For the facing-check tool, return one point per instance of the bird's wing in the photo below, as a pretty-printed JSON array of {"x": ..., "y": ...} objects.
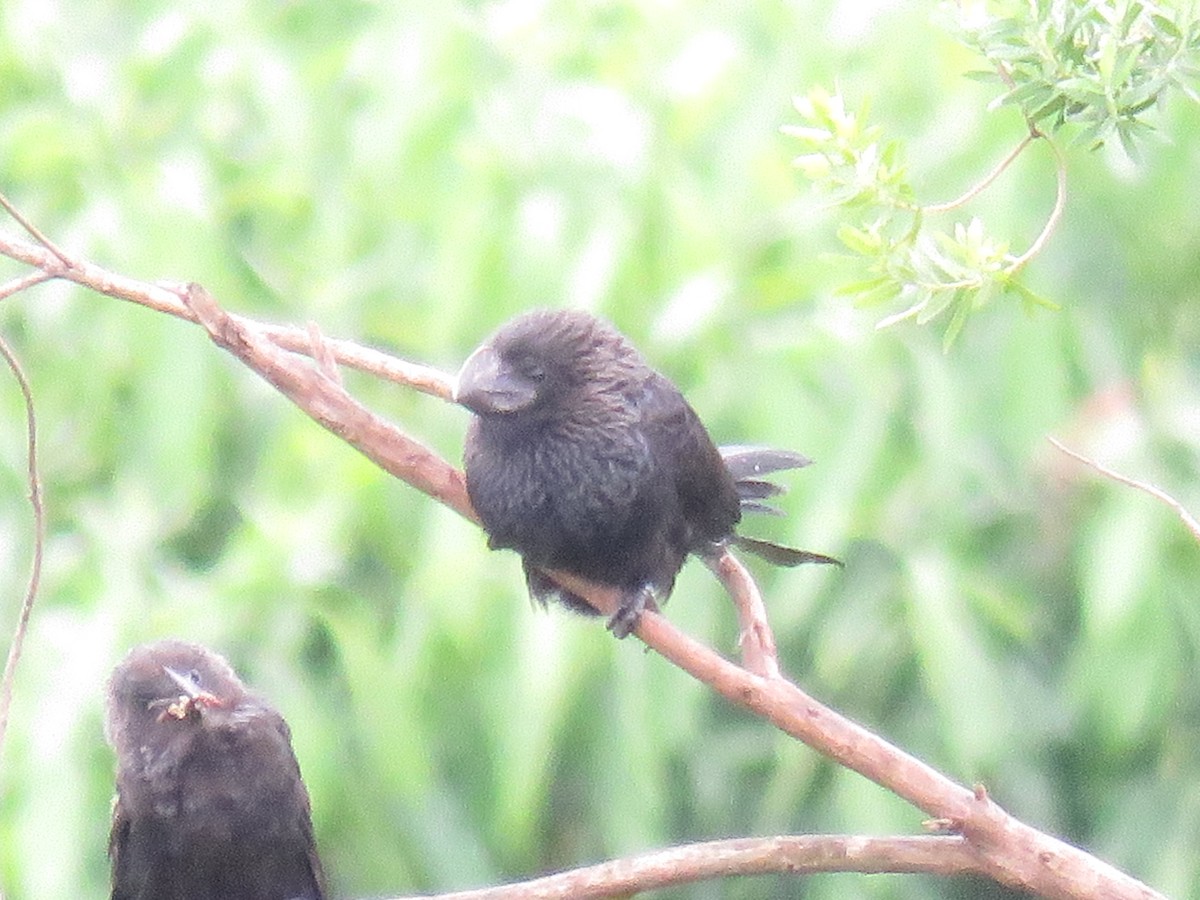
[
  {"x": 118, "y": 837},
  {"x": 313, "y": 873},
  {"x": 707, "y": 496}
]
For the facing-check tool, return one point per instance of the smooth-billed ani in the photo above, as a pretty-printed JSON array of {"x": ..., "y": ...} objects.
[
  {"x": 210, "y": 804},
  {"x": 582, "y": 458}
]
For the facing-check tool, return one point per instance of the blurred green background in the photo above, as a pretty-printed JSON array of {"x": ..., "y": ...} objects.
[{"x": 410, "y": 175}]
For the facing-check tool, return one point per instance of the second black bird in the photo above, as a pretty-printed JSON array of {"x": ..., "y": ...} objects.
[
  {"x": 584, "y": 459},
  {"x": 210, "y": 805}
]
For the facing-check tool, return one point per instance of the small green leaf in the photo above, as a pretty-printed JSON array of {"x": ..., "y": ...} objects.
[
  {"x": 811, "y": 135},
  {"x": 957, "y": 321},
  {"x": 887, "y": 290},
  {"x": 859, "y": 241},
  {"x": 854, "y": 288},
  {"x": 1125, "y": 130},
  {"x": 923, "y": 297},
  {"x": 1166, "y": 26},
  {"x": 939, "y": 301},
  {"x": 1029, "y": 297}
]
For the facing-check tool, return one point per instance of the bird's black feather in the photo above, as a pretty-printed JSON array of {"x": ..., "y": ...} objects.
[
  {"x": 781, "y": 555},
  {"x": 584, "y": 459},
  {"x": 757, "y": 489},
  {"x": 744, "y": 461}
]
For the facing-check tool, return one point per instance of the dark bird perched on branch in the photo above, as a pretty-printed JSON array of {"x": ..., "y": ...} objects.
[
  {"x": 582, "y": 458},
  {"x": 210, "y": 804}
]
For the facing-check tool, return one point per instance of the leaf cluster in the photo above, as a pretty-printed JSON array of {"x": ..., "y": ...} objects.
[
  {"x": 1099, "y": 66},
  {"x": 931, "y": 272}
]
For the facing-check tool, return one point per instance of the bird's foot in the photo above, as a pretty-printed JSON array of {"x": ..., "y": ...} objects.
[{"x": 633, "y": 604}]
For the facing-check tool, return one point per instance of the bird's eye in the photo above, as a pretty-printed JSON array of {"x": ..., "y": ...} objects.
[
  {"x": 193, "y": 676},
  {"x": 532, "y": 369}
]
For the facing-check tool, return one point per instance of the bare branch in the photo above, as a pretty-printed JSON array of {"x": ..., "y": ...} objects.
[
  {"x": 327, "y": 402},
  {"x": 1157, "y": 493},
  {"x": 789, "y": 855},
  {"x": 364, "y": 359},
  {"x": 22, "y": 283},
  {"x": 39, "y": 540},
  {"x": 165, "y": 297}
]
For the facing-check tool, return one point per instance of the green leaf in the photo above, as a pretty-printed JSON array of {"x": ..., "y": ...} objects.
[
  {"x": 939, "y": 300},
  {"x": 860, "y": 241},
  {"x": 1030, "y": 298},
  {"x": 954, "y": 328},
  {"x": 923, "y": 296}
]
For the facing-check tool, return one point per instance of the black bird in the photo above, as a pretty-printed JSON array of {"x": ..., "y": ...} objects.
[
  {"x": 582, "y": 458},
  {"x": 210, "y": 804}
]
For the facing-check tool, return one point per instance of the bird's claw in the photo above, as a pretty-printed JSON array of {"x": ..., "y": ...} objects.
[{"x": 629, "y": 613}]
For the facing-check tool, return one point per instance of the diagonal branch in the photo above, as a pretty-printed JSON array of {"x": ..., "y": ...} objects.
[
  {"x": 327, "y": 401},
  {"x": 1005, "y": 849},
  {"x": 1009, "y": 851}
]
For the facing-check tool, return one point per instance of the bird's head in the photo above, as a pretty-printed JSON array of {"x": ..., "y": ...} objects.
[
  {"x": 537, "y": 363},
  {"x": 160, "y": 685}
]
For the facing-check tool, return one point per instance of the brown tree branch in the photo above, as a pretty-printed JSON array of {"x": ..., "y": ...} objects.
[
  {"x": 1008, "y": 850},
  {"x": 165, "y": 297},
  {"x": 788, "y": 855},
  {"x": 1003, "y": 848},
  {"x": 327, "y": 401}
]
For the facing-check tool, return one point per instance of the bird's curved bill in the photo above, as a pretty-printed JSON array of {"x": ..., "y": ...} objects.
[
  {"x": 190, "y": 689},
  {"x": 487, "y": 385}
]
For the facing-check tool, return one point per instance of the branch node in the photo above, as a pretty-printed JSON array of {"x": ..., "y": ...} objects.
[
  {"x": 323, "y": 353},
  {"x": 208, "y": 312},
  {"x": 943, "y": 825}
]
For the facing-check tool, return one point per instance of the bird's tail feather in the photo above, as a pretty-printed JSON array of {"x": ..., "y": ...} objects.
[
  {"x": 746, "y": 462},
  {"x": 747, "y": 465},
  {"x": 780, "y": 555}
]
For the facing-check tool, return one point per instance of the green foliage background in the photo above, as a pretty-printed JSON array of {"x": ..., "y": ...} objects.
[{"x": 410, "y": 175}]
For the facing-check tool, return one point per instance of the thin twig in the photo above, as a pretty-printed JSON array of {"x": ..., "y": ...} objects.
[
  {"x": 982, "y": 185},
  {"x": 22, "y": 283},
  {"x": 1157, "y": 493},
  {"x": 35, "y": 232},
  {"x": 1056, "y": 214},
  {"x": 39, "y": 540},
  {"x": 1016, "y": 263},
  {"x": 329, "y": 404},
  {"x": 755, "y": 637},
  {"x": 164, "y": 297}
]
